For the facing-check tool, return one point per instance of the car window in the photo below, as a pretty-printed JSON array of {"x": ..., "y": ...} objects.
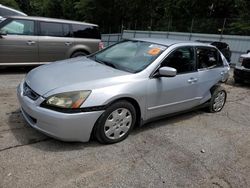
[
  {"x": 54, "y": 29},
  {"x": 182, "y": 59},
  {"x": 208, "y": 58},
  {"x": 19, "y": 27},
  {"x": 85, "y": 31}
]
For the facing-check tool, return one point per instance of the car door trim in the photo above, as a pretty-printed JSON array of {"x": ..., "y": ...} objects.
[{"x": 174, "y": 103}]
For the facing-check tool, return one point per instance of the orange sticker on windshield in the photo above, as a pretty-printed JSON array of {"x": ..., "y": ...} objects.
[{"x": 154, "y": 51}]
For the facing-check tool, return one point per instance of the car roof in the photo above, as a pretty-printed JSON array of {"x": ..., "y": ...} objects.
[
  {"x": 35, "y": 18},
  {"x": 169, "y": 42},
  {"x": 14, "y": 10},
  {"x": 210, "y": 41}
]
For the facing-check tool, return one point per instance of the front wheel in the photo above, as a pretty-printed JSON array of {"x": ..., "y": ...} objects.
[
  {"x": 218, "y": 100},
  {"x": 115, "y": 123}
]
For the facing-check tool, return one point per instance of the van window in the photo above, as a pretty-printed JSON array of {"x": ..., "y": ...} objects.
[
  {"x": 54, "y": 29},
  {"x": 85, "y": 31},
  {"x": 208, "y": 58},
  {"x": 19, "y": 27}
]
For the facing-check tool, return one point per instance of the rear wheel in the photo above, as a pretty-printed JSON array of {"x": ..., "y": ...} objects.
[
  {"x": 218, "y": 99},
  {"x": 115, "y": 123},
  {"x": 78, "y": 54}
]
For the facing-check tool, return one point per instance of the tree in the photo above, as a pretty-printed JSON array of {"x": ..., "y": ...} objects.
[
  {"x": 10, "y": 3},
  {"x": 179, "y": 15}
]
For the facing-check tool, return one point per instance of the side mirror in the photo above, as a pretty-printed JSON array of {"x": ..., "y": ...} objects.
[
  {"x": 167, "y": 72},
  {"x": 248, "y": 51}
]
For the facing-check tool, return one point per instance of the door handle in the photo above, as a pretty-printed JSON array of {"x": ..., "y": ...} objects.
[
  {"x": 192, "y": 80},
  {"x": 68, "y": 43},
  {"x": 30, "y": 43}
]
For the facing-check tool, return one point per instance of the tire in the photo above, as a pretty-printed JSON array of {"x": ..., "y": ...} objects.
[
  {"x": 115, "y": 123},
  {"x": 78, "y": 54},
  {"x": 218, "y": 100}
]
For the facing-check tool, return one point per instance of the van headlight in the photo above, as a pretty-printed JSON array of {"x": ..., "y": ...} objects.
[{"x": 69, "y": 100}]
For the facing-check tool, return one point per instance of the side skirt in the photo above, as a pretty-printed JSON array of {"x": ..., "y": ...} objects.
[{"x": 143, "y": 122}]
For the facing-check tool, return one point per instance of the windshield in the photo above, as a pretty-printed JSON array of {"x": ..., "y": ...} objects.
[{"x": 130, "y": 56}]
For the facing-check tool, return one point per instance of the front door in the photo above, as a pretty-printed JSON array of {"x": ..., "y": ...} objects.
[
  {"x": 19, "y": 44},
  {"x": 166, "y": 95}
]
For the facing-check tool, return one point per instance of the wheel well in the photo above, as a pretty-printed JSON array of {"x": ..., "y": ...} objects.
[
  {"x": 135, "y": 104},
  {"x": 137, "y": 109},
  {"x": 80, "y": 50},
  {"x": 214, "y": 88}
]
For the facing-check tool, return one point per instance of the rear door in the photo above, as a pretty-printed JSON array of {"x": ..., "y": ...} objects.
[
  {"x": 211, "y": 70},
  {"x": 55, "y": 41},
  {"x": 20, "y": 44}
]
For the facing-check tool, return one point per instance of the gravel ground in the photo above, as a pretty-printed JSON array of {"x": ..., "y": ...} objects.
[{"x": 195, "y": 149}]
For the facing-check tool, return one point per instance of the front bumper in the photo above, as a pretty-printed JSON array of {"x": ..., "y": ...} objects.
[
  {"x": 242, "y": 74},
  {"x": 62, "y": 126}
]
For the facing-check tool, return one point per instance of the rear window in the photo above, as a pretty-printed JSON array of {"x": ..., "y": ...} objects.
[
  {"x": 86, "y": 31},
  {"x": 54, "y": 29},
  {"x": 208, "y": 58}
]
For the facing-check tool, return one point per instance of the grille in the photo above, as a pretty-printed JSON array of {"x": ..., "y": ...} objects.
[
  {"x": 27, "y": 91},
  {"x": 246, "y": 63}
]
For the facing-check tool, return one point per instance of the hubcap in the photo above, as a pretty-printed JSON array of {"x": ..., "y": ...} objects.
[
  {"x": 219, "y": 101},
  {"x": 118, "y": 123}
]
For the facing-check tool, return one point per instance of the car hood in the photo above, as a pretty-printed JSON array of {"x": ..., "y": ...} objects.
[
  {"x": 78, "y": 71},
  {"x": 245, "y": 55}
]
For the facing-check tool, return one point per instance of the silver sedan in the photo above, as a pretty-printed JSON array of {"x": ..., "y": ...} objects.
[{"x": 128, "y": 84}]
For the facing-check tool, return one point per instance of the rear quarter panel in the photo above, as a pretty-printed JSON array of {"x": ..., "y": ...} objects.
[{"x": 81, "y": 44}]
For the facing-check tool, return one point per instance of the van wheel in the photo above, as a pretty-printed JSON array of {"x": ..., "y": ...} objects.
[
  {"x": 79, "y": 53},
  {"x": 115, "y": 123},
  {"x": 218, "y": 100}
]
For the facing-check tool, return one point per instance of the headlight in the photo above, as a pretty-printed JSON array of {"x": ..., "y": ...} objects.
[{"x": 69, "y": 100}]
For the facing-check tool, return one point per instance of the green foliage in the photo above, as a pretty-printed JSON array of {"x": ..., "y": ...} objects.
[
  {"x": 10, "y": 3},
  {"x": 114, "y": 15}
]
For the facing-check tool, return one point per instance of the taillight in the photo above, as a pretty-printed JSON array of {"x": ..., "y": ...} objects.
[{"x": 101, "y": 45}]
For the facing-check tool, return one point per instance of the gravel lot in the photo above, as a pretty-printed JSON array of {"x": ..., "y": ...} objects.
[{"x": 195, "y": 149}]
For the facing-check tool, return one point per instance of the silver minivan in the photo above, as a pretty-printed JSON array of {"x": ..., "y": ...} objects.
[{"x": 38, "y": 40}]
